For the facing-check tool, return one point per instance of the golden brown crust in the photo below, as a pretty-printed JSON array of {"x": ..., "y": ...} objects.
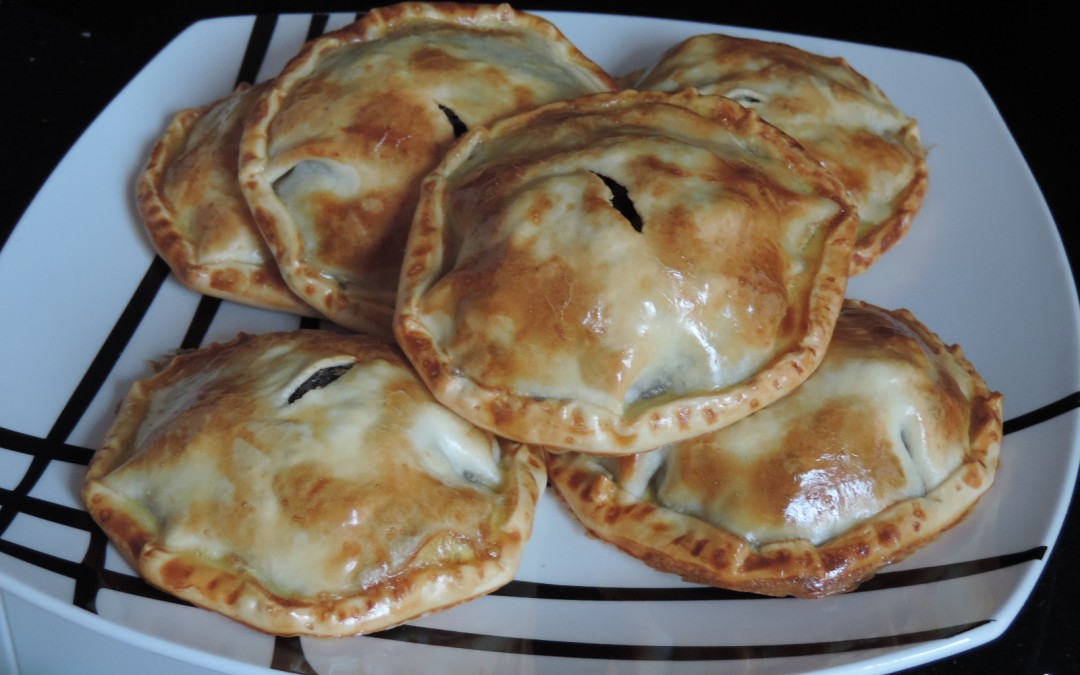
[
  {"x": 341, "y": 508},
  {"x": 532, "y": 307},
  {"x": 191, "y": 205},
  {"x": 333, "y": 155},
  {"x": 841, "y": 117},
  {"x": 722, "y": 528}
]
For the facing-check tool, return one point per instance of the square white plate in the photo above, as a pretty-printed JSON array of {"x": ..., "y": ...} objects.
[{"x": 983, "y": 266}]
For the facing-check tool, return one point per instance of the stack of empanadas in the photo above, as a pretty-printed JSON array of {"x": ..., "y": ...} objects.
[
  {"x": 644, "y": 289},
  {"x": 323, "y": 163}
]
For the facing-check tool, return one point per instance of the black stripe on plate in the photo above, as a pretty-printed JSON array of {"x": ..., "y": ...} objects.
[
  {"x": 52, "y": 512},
  {"x": 66, "y": 568},
  {"x": 85, "y": 593},
  {"x": 200, "y": 322},
  {"x": 1043, "y": 414},
  {"x": 586, "y": 650},
  {"x": 930, "y": 575},
  {"x": 17, "y": 441},
  {"x": 317, "y": 26},
  {"x": 542, "y": 591},
  {"x": 884, "y": 580},
  {"x": 289, "y": 656},
  {"x": 262, "y": 31}
]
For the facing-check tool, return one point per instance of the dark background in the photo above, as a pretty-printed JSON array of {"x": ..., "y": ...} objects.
[{"x": 61, "y": 63}]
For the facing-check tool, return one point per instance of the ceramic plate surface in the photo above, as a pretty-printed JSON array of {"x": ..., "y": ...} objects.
[{"x": 86, "y": 306}]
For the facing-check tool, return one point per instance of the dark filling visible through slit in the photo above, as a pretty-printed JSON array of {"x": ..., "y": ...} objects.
[
  {"x": 319, "y": 379},
  {"x": 746, "y": 99},
  {"x": 620, "y": 201},
  {"x": 455, "y": 121},
  {"x": 656, "y": 390}
]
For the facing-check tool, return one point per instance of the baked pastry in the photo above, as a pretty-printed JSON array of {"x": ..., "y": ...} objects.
[
  {"x": 890, "y": 442},
  {"x": 842, "y": 118},
  {"x": 198, "y": 220},
  {"x": 306, "y": 483},
  {"x": 622, "y": 271},
  {"x": 334, "y": 154}
]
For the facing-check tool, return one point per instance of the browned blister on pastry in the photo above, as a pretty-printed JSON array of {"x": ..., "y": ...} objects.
[
  {"x": 191, "y": 205},
  {"x": 334, "y": 153},
  {"x": 889, "y": 443},
  {"x": 843, "y": 119},
  {"x": 306, "y": 483},
  {"x": 622, "y": 271}
]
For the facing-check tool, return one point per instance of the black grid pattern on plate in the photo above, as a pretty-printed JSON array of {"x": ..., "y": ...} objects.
[{"x": 90, "y": 574}]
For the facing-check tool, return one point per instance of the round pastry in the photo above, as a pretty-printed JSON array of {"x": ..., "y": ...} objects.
[
  {"x": 306, "y": 483},
  {"x": 843, "y": 119},
  {"x": 889, "y": 443},
  {"x": 333, "y": 155},
  {"x": 622, "y": 271},
  {"x": 191, "y": 205}
]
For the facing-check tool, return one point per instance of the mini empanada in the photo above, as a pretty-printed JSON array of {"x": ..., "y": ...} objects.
[
  {"x": 890, "y": 442},
  {"x": 191, "y": 205},
  {"x": 622, "y": 271},
  {"x": 334, "y": 154},
  {"x": 306, "y": 483},
  {"x": 842, "y": 118}
]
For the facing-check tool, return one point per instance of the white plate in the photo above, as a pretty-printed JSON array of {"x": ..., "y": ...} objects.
[{"x": 983, "y": 266}]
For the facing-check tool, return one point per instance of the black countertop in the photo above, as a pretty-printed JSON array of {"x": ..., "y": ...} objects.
[{"x": 61, "y": 63}]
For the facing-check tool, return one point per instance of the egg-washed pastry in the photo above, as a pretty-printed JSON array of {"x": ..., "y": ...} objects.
[
  {"x": 334, "y": 155},
  {"x": 622, "y": 271},
  {"x": 890, "y": 442},
  {"x": 842, "y": 118},
  {"x": 197, "y": 218},
  {"x": 306, "y": 483}
]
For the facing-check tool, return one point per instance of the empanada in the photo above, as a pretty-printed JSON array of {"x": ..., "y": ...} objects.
[
  {"x": 891, "y": 441},
  {"x": 334, "y": 154},
  {"x": 621, "y": 271},
  {"x": 842, "y": 118},
  {"x": 191, "y": 205},
  {"x": 306, "y": 483}
]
